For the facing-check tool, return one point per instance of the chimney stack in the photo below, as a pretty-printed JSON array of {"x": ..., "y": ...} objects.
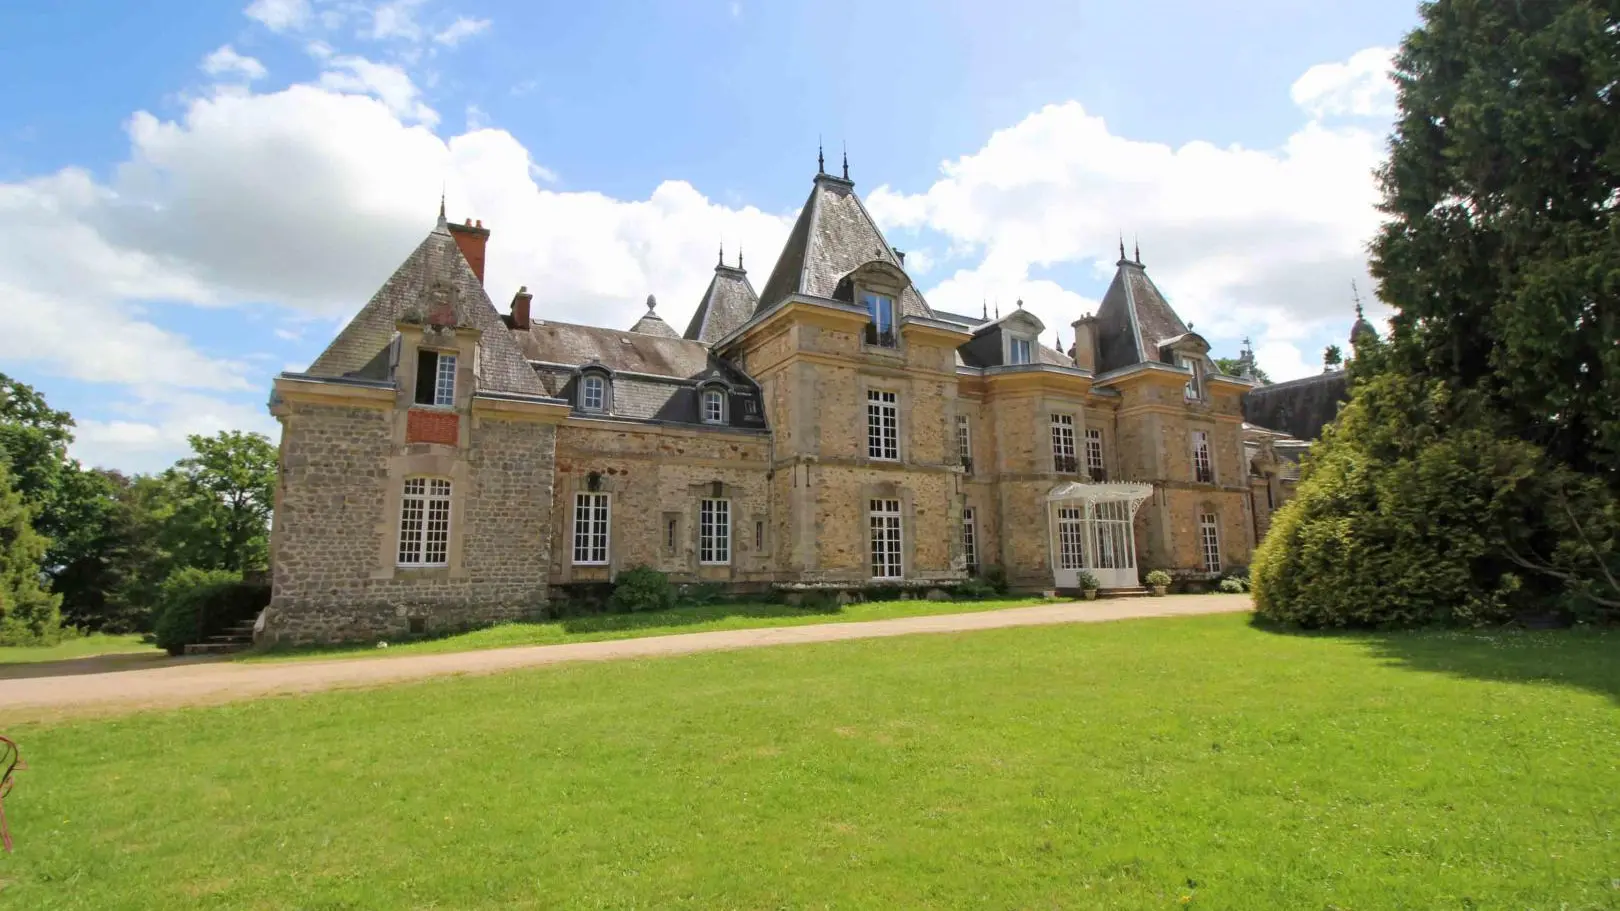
[
  {"x": 472, "y": 239},
  {"x": 1085, "y": 342},
  {"x": 520, "y": 307}
]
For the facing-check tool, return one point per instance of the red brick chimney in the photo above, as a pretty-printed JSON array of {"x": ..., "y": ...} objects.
[
  {"x": 472, "y": 238},
  {"x": 520, "y": 307}
]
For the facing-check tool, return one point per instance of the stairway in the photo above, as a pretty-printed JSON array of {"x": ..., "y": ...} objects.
[{"x": 238, "y": 638}]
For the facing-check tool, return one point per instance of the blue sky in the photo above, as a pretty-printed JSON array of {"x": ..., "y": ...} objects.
[{"x": 212, "y": 189}]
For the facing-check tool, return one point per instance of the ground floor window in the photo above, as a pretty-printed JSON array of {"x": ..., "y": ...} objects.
[
  {"x": 970, "y": 542},
  {"x": 424, "y": 522},
  {"x": 714, "y": 531},
  {"x": 1071, "y": 538},
  {"x": 591, "y": 517},
  {"x": 1209, "y": 536},
  {"x": 883, "y": 518}
]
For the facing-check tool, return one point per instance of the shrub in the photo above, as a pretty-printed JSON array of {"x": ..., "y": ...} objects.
[
  {"x": 642, "y": 589},
  {"x": 698, "y": 594},
  {"x": 1233, "y": 586},
  {"x": 194, "y": 604},
  {"x": 975, "y": 589},
  {"x": 1087, "y": 581},
  {"x": 996, "y": 578},
  {"x": 1157, "y": 577}
]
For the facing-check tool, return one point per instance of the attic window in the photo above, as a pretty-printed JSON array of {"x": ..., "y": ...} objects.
[
  {"x": 435, "y": 378},
  {"x": 1020, "y": 351},
  {"x": 880, "y": 307},
  {"x": 593, "y": 393},
  {"x": 1195, "y": 386},
  {"x": 714, "y": 406}
]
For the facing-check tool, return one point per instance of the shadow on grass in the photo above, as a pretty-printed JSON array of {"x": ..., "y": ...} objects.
[
  {"x": 99, "y": 664},
  {"x": 674, "y": 619},
  {"x": 1584, "y": 657}
]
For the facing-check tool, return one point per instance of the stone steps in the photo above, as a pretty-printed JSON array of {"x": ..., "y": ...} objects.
[{"x": 238, "y": 638}]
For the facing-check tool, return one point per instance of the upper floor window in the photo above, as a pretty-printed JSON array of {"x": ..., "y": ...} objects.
[
  {"x": 882, "y": 425},
  {"x": 1094, "y": 456},
  {"x": 1203, "y": 463},
  {"x": 714, "y": 406},
  {"x": 1195, "y": 386},
  {"x": 435, "y": 378},
  {"x": 591, "y": 519},
  {"x": 593, "y": 392},
  {"x": 424, "y": 522},
  {"x": 880, "y": 307},
  {"x": 1063, "y": 460},
  {"x": 1020, "y": 351},
  {"x": 964, "y": 442}
]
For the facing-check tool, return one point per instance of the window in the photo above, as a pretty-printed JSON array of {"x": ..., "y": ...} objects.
[
  {"x": 714, "y": 531},
  {"x": 1094, "y": 456},
  {"x": 714, "y": 406},
  {"x": 1021, "y": 351},
  {"x": 593, "y": 393},
  {"x": 435, "y": 378},
  {"x": 883, "y": 517},
  {"x": 1209, "y": 536},
  {"x": 882, "y": 425},
  {"x": 964, "y": 442},
  {"x": 759, "y": 537},
  {"x": 1195, "y": 386},
  {"x": 880, "y": 331},
  {"x": 1063, "y": 444},
  {"x": 591, "y": 528},
  {"x": 671, "y": 536},
  {"x": 1203, "y": 468},
  {"x": 424, "y": 522},
  {"x": 970, "y": 543}
]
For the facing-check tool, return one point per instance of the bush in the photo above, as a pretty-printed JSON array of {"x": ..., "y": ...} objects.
[
  {"x": 1087, "y": 581},
  {"x": 698, "y": 594},
  {"x": 1157, "y": 577},
  {"x": 194, "y": 604},
  {"x": 1233, "y": 586},
  {"x": 975, "y": 589},
  {"x": 642, "y": 589},
  {"x": 996, "y": 578}
]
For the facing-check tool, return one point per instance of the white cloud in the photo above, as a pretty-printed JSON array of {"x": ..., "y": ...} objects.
[
  {"x": 396, "y": 20},
  {"x": 225, "y": 61},
  {"x": 148, "y": 433},
  {"x": 1359, "y": 87},
  {"x": 385, "y": 81},
  {"x": 279, "y": 15},
  {"x": 460, "y": 30}
]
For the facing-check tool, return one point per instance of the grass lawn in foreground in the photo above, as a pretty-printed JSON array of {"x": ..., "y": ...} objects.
[
  {"x": 1164, "y": 763},
  {"x": 82, "y": 647},
  {"x": 694, "y": 619}
]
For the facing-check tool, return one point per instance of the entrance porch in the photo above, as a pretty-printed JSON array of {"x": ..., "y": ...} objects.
[{"x": 1092, "y": 528}]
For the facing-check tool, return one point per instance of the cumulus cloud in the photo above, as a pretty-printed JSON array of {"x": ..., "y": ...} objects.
[
  {"x": 279, "y": 15},
  {"x": 226, "y": 62},
  {"x": 1358, "y": 87},
  {"x": 387, "y": 82},
  {"x": 146, "y": 433},
  {"x": 396, "y": 20},
  {"x": 460, "y": 30}
]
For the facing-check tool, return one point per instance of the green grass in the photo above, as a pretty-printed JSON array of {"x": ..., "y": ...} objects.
[
  {"x": 82, "y": 647},
  {"x": 1190, "y": 762},
  {"x": 698, "y": 619}
]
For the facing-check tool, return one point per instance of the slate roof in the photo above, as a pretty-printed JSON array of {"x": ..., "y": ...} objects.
[
  {"x": 1133, "y": 320},
  {"x": 1299, "y": 408},
  {"x": 653, "y": 324},
  {"x": 433, "y": 284},
  {"x": 615, "y": 349},
  {"x": 832, "y": 238},
  {"x": 727, "y": 303}
]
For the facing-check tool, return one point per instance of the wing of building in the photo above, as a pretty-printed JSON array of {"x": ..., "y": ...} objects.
[{"x": 446, "y": 464}]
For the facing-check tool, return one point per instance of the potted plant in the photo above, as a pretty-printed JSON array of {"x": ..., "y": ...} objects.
[
  {"x": 1158, "y": 580},
  {"x": 1088, "y": 585}
]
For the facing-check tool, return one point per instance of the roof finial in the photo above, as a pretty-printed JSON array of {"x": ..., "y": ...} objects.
[
  {"x": 846, "y": 160},
  {"x": 1020, "y": 303},
  {"x": 1356, "y": 295},
  {"x": 1137, "y": 241},
  {"x": 998, "y": 309},
  {"x": 984, "y": 308},
  {"x": 739, "y": 257},
  {"x": 821, "y": 160},
  {"x": 722, "y": 253},
  {"x": 652, "y": 303},
  {"x": 442, "y": 220},
  {"x": 1122, "y": 246}
]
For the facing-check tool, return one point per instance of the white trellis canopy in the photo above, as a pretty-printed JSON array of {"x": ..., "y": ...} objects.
[{"x": 1130, "y": 492}]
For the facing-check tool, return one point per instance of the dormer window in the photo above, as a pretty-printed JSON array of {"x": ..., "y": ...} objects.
[
  {"x": 435, "y": 378},
  {"x": 1020, "y": 351},
  {"x": 1195, "y": 386},
  {"x": 713, "y": 406},
  {"x": 880, "y": 307},
  {"x": 593, "y": 392}
]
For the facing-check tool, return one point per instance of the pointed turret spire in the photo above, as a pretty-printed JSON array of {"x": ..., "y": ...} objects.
[
  {"x": 1122, "y": 247},
  {"x": 1138, "y": 244},
  {"x": 739, "y": 258},
  {"x": 846, "y": 161},
  {"x": 722, "y": 254},
  {"x": 821, "y": 159},
  {"x": 984, "y": 308}
]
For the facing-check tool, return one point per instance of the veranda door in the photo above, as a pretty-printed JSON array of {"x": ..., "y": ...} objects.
[
  {"x": 1071, "y": 546},
  {"x": 1093, "y": 529},
  {"x": 1113, "y": 544}
]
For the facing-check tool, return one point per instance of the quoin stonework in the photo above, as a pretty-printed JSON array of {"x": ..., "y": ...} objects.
[{"x": 444, "y": 464}]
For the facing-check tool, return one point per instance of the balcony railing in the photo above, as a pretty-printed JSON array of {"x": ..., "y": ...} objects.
[
  {"x": 884, "y": 338},
  {"x": 1065, "y": 464}
]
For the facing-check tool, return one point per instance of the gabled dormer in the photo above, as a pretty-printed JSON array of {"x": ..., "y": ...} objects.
[{"x": 1013, "y": 340}]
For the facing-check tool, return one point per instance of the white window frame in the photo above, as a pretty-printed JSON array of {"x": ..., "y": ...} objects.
[
  {"x": 425, "y": 514},
  {"x": 1020, "y": 345},
  {"x": 1209, "y": 541},
  {"x": 970, "y": 539},
  {"x": 1194, "y": 390},
  {"x": 444, "y": 378},
  {"x": 1095, "y": 467},
  {"x": 882, "y": 425},
  {"x": 586, "y": 383},
  {"x": 714, "y": 531},
  {"x": 1203, "y": 456},
  {"x": 880, "y": 307},
  {"x": 964, "y": 439},
  {"x": 1063, "y": 443},
  {"x": 717, "y": 398},
  {"x": 886, "y": 538},
  {"x": 593, "y": 528}
]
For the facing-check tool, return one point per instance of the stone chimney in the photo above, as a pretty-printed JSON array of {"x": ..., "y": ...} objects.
[
  {"x": 520, "y": 307},
  {"x": 472, "y": 237},
  {"x": 1085, "y": 342}
]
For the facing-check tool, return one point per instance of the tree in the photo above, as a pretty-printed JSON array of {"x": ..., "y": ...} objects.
[
  {"x": 112, "y": 583},
  {"x": 28, "y": 614},
  {"x": 1332, "y": 357},
  {"x": 1231, "y": 366},
  {"x": 1501, "y": 253},
  {"x": 228, "y": 489}
]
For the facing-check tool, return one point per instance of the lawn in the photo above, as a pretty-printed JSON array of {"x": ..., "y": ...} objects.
[
  {"x": 1166, "y": 763},
  {"x": 82, "y": 647},
  {"x": 691, "y": 619}
]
